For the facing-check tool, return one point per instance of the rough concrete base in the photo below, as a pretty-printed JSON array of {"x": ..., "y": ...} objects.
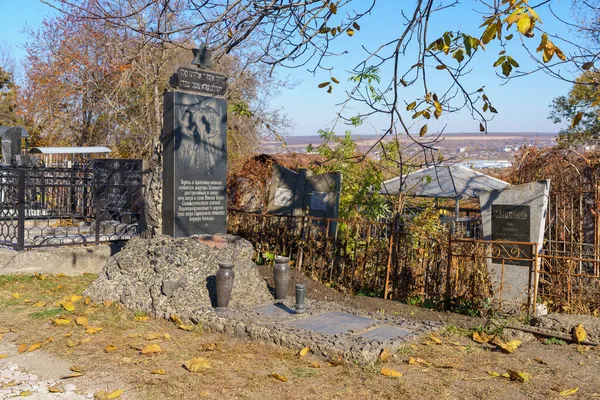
[
  {"x": 68, "y": 260},
  {"x": 355, "y": 344}
]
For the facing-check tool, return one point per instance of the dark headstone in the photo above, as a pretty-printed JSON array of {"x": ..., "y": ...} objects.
[
  {"x": 11, "y": 145},
  {"x": 511, "y": 223},
  {"x": 195, "y": 164},
  {"x": 117, "y": 189}
]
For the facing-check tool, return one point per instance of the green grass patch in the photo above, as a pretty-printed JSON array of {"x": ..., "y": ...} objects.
[
  {"x": 47, "y": 313},
  {"x": 303, "y": 372},
  {"x": 556, "y": 341}
]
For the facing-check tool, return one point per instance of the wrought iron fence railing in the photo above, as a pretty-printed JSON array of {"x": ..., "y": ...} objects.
[{"x": 62, "y": 206}]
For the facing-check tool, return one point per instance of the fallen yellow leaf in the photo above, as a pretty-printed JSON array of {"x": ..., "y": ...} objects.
[
  {"x": 71, "y": 343},
  {"x": 188, "y": 328},
  {"x": 314, "y": 365},
  {"x": 492, "y": 373},
  {"x": 436, "y": 339},
  {"x": 107, "y": 303},
  {"x": 159, "y": 371},
  {"x": 62, "y": 321},
  {"x": 110, "y": 348},
  {"x": 579, "y": 333},
  {"x": 197, "y": 364},
  {"x": 176, "y": 319},
  {"x": 569, "y": 392},
  {"x": 82, "y": 321},
  {"x": 67, "y": 305},
  {"x": 150, "y": 349},
  {"x": 153, "y": 336},
  {"x": 384, "y": 355},
  {"x": 34, "y": 346},
  {"x": 390, "y": 372},
  {"x": 518, "y": 376},
  {"x": 26, "y": 393},
  {"x": 4, "y": 330},
  {"x": 418, "y": 361},
  {"x": 40, "y": 276},
  {"x": 3, "y": 355},
  {"x": 141, "y": 318},
  {"x": 279, "y": 377},
  {"x": 39, "y": 304},
  {"x": 55, "y": 389},
  {"x": 72, "y": 375},
  {"x": 481, "y": 337},
  {"x": 115, "y": 394},
  {"x": 167, "y": 336},
  {"x": 76, "y": 368},
  {"x": 22, "y": 348},
  {"x": 509, "y": 347},
  {"x": 87, "y": 301},
  {"x": 75, "y": 298},
  {"x": 48, "y": 340},
  {"x": 92, "y": 330},
  {"x": 85, "y": 340},
  {"x": 16, "y": 295},
  {"x": 304, "y": 351}
]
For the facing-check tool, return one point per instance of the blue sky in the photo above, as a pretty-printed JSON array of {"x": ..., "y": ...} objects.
[{"x": 523, "y": 103}]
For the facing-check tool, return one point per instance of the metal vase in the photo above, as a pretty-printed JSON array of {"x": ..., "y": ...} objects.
[
  {"x": 300, "y": 297},
  {"x": 225, "y": 276},
  {"x": 281, "y": 273}
]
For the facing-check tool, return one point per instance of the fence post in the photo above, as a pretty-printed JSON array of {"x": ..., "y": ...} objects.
[
  {"x": 389, "y": 261},
  {"x": 96, "y": 205},
  {"x": 449, "y": 273},
  {"x": 20, "y": 209},
  {"x": 536, "y": 278}
]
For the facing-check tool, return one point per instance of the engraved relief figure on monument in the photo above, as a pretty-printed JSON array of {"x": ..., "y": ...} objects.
[{"x": 201, "y": 142}]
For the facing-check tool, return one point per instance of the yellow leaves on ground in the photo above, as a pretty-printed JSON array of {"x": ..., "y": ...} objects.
[
  {"x": 197, "y": 364},
  {"x": 508, "y": 347},
  {"x": 3, "y": 355},
  {"x": 87, "y": 301},
  {"x": 187, "y": 328},
  {"x": 481, "y": 337},
  {"x": 518, "y": 376},
  {"x": 26, "y": 393},
  {"x": 102, "y": 395},
  {"x": 107, "y": 303},
  {"x": 92, "y": 330},
  {"x": 158, "y": 371},
  {"x": 304, "y": 351},
  {"x": 141, "y": 318},
  {"x": 39, "y": 304},
  {"x": 16, "y": 295},
  {"x": 569, "y": 392},
  {"x": 22, "y": 348},
  {"x": 110, "y": 348},
  {"x": 314, "y": 365},
  {"x": 279, "y": 377},
  {"x": 40, "y": 276},
  {"x": 384, "y": 355},
  {"x": 392, "y": 373},
  {"x": 76, "y": 368},
  {"x": 153, "y": 336},
  {"x": 436, "y": 339},
  {"x": 513, "y": 375},
  {"x": 4, "y": 330},
  {"x": 82, "y": 321},
  {"x": 75, "y": 298},
  {"x": 34, "y": 346},
  {"x": 72, "y": 375},
  {"x": 71, "y": 343},
  {"x": 55, "y": 389},
  {"x": 176, "y": 319},
  {"x": 67, "y": 305},
  {"x": 151, "y": 349},
  {"x": 167, "y": 336},
  {"x": 579, "y": 333},
  {"x": 418, "y": 361},
  {"x": 62, "y": 321}
]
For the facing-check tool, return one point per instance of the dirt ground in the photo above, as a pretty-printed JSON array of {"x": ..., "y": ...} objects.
[{"x": 458, "y": 368}]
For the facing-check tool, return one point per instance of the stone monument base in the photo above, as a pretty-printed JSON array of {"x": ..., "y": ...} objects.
[{"x": 164, "y": 276}]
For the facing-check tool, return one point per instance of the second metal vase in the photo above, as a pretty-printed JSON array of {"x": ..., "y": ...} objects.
[
  {"x": 281, "y": 273},
  {"x": 225, "y": 277}
]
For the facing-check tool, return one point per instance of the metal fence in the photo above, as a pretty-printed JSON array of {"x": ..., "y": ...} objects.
[
  {"x": 380, "y": 259},
  {"x": 62, "y": 206}
]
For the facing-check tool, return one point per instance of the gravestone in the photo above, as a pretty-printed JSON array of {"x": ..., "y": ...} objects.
[
  {"x": 11, "y": 145},
  {"x": 117, "y": 189},
  {"x": 195, "y": 152},
  {"x": 515, "y": 214}
]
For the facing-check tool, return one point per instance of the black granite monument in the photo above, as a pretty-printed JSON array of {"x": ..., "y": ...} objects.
[
  {"x": 11, "y": 145},
  {"x": 195, "y": 152}
]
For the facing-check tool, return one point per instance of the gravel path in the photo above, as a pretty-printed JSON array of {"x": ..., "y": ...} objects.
[{"x": 30, "y": 375}]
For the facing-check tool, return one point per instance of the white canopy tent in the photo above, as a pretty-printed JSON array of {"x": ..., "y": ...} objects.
[{"x": 444, "y": 182}]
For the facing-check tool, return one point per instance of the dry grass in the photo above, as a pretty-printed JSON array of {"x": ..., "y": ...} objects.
[{"x": 242, "y": 370}]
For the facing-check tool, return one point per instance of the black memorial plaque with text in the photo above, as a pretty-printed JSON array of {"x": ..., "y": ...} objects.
[
  {"x": 195, "y": 165},
  {"x": 511, "y": 223},
  {"x": 200, "y": 81}
]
